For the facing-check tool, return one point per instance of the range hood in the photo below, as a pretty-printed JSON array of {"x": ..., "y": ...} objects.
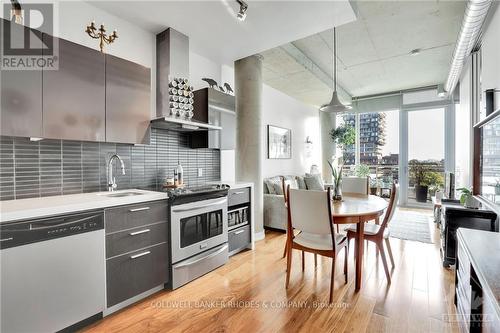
[
  {"x": 182, "y": 125},
  {"x": 172, "y": 60}
]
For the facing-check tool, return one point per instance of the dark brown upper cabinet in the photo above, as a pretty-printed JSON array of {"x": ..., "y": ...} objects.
[
  {"x": 215, "y": 108},
  {"x": 128, "y": 98},
  {"x": 21, "y": 90},
  {"x": 74, "y": 95}
]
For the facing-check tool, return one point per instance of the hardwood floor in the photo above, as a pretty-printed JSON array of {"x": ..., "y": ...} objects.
[{"x": 248, "y": 295}]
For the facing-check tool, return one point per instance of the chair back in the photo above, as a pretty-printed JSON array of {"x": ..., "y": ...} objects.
[
  {"x": 357, "y": 185},
  {"x": 310, "y": 211},
  {"x": 284, "y": 184},
  {"x": 393, "y": 203}
]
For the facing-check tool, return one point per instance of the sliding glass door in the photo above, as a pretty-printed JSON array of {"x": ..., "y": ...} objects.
[{"x": 425, "y": 155}]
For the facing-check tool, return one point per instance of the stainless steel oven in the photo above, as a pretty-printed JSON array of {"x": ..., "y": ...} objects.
[{"x": 197, "y": 227}]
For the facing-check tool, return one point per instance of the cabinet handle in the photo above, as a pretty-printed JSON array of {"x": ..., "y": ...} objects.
[
  {"x": 241, "y": 192},
  {"x": 239, "y": 232},
  {"x": 139, "y": 232},
  {"x": 6, "y": 239},
  {"x": 135, "y": 256},
  {"x": 138, "y": 209}
]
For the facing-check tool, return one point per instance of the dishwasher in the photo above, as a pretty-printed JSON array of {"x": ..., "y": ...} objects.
[{"x": 52, "y": 272}]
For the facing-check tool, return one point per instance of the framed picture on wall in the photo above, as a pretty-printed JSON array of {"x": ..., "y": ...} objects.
[{"x": 279, "y": 142}]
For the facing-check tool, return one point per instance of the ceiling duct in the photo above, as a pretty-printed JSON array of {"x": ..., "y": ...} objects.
[{"x": 474, "y": 17}]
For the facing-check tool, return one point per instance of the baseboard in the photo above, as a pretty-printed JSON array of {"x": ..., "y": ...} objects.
[
  {"x": 259, "y": 235},
  {"x": 274, "y": 229}
]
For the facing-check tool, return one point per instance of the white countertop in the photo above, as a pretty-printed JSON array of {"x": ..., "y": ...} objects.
[{"x": 22, "y": 209}]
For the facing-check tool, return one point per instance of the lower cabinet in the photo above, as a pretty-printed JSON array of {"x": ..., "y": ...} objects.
[
  {"x": 133, "y": 273},
  {"x": 239, "y": 239},
  {"x": 137, "y": 250}
]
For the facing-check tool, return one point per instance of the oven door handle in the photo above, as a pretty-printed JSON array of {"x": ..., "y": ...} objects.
[
  {"x": 211, "y": 255},
  {"x": 180, "y": 210}
]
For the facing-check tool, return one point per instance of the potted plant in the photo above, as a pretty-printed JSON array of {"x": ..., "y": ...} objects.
[
  {"x": 362, "y": 170},
  {"x": 343, "y": 136},
  {"x": 466, "y": 198},
  {"x": 337, "y": 179},
  {"x": 417, "y": 173},
  {"x": 374, "y": 185}
]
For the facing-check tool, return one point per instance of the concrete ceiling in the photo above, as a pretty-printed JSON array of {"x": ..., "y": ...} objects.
[
  {"x": 217, "y": 34},
  {"x": 372, "y": 52}
]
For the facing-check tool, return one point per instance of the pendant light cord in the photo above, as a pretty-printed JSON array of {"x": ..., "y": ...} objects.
[{"x": 334, "y": 61}]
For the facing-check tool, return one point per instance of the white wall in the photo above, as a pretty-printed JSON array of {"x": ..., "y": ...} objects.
[
  {"x": 282, "y": 110},
  {"x": 200, "y": 67}
]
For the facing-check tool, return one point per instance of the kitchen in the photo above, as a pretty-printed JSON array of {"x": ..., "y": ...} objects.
[{"x": 108, "y": 198}]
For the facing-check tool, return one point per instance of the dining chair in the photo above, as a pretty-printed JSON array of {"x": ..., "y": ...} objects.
[
  {"x": 284, "y": 184},
  {"x": 311, "y": 213},
  {"x": 354, "y": 185},
  {"x": 359, "y": 185},
  {"x": 380, "y": 233}
]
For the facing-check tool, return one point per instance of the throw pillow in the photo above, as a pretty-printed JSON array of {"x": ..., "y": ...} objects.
[
  {"x": 292, "y": 181},
  {"x": 301, "y": 183},
  {"x": 274, "y": 185},
  {"x": 314, "y": 183},
  {"x": 269, "y": 186}
]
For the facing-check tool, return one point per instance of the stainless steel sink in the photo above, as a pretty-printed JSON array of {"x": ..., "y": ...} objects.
[{"x": 122, "y": 194}]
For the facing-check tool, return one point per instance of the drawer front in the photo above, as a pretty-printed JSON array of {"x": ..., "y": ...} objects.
[
  {"x": 134, "y": 239},
  {"x": 131, "y": 216},
  {"x": 196, "y": 266},
  {"x": 238, "y": 196},
  {"x": 239, "y": 238},
  {"x": 134, "y": 273}
]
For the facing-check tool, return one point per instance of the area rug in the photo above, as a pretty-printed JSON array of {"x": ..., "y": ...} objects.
[{"x": 411, "y": 226}]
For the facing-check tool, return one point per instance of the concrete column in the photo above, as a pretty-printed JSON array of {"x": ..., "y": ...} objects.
[
  {"x": 249, "y": 138},
  {"x": 327, "y": 122}
]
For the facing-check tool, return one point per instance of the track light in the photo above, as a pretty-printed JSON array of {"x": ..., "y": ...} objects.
[{"x": 242, "y": 14}]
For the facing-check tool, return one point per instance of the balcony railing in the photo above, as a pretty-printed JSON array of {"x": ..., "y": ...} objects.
[{"x": 383, "y": 175}]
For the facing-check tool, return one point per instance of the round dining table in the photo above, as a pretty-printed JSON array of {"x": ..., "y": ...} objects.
[{"x": 358, "y": 209}]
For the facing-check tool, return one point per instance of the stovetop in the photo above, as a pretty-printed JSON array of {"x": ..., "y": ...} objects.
[{"x": 196, "y": 193}]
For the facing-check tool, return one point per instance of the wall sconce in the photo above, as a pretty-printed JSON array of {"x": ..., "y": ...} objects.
[
  {"x": 100, "y": 34},
  {"x": 309, "y": 147}
]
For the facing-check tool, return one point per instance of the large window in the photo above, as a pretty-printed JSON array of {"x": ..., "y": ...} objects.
[
  {"x": 378, "y": 137},
  {"x": 349, "y": 151},
  {"x": 403, "y": 138},
  {"x": 426, "y": 154}
]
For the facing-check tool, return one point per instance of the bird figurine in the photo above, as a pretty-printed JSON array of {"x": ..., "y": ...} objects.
[
  {"x": 211, "y": 82},
  {"x": 229, "y": 90},
  {"x": 221, "y": 89}
]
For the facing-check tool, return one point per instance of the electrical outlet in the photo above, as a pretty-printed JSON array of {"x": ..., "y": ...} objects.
[{"x": 200, "y": 172}]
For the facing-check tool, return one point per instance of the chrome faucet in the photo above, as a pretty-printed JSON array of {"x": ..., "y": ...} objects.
[{"x": 111, "y": 179}]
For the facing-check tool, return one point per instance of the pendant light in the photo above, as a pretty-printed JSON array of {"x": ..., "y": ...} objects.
[{"x": 335, "y": 105}]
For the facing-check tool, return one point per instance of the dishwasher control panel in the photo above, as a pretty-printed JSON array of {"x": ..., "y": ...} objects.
[{"x": 33, "y": 231}]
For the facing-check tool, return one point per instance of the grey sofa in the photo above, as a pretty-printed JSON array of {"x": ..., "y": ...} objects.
[{"x": 275, "y": 213}]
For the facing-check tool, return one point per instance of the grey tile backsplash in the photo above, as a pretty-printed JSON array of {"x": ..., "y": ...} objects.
[{"x": 54, "y": 167}]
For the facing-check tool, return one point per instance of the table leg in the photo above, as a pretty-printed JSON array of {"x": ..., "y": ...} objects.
[{"x": 359, "y": 253}]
